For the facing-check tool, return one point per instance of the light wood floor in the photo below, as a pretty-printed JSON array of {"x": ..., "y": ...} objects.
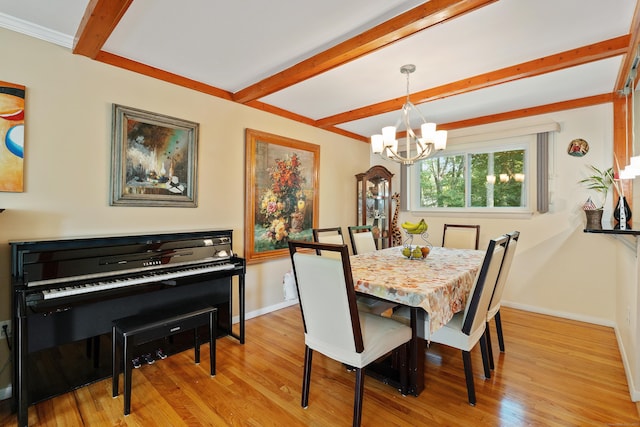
[{"x": 555, "y": 372}]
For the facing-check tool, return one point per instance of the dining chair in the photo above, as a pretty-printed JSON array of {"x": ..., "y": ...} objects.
[
  {"x": 494, "y": 306},
  {"x": 328, "y": 235},
  {"x": 461, "y": 236},
  {"x": 365, "y": 303},
  {"x": 467, "y": 327},
  {"x": 362, "y": 240},
  {"x": 342, "y": 333}
]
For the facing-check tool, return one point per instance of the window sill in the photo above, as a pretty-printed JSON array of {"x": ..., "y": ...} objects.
[{"x": 467, "y": 213}]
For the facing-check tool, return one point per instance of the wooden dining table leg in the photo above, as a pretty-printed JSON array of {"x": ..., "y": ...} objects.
[{"x": 416, "y": 355}]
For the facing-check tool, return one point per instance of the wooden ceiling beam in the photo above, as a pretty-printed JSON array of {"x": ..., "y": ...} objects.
[
  {"x": 156, "y": 73},
  {"x": 417, "y": 19},
  {"x": 99, "y": 20},
  {"x": 531, "y": 111},
  {"x": 632, "y": 51},
  {"x": 570, "y": 58}
]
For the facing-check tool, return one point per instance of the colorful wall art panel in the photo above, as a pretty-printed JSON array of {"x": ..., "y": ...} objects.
[{"x": 11, "y": 137}]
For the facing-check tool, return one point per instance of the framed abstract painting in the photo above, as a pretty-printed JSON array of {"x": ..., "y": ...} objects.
[
  {"x": 281, "y": 195},
  {"x": 154, "y": 159},
  {"x": 12, "y": 137}
]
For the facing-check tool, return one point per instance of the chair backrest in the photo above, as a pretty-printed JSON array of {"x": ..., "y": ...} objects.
[
  {"x": 362, "y": 240},
  {"x": 504, "y": 270},
  {"x": 327, "y": 296},
  {"x": 328, "y": 235},
  {"x": 475, "y": 312},
  {"x": 461, "y": 236}
]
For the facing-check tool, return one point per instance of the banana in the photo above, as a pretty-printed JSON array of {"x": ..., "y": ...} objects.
[
  {"x": 418, "y": 230},
  {"x": 415, "y": 228},
  {"x": 408, "y": 225}
]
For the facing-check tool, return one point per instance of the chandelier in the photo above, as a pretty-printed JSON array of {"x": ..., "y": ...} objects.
[{"x": 431, "y": 140}]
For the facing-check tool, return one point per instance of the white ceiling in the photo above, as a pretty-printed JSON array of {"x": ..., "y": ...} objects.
[{"x": 235, "y": 44}]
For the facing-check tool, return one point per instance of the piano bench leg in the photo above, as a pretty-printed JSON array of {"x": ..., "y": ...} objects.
[{"x": 115, "y": 370}]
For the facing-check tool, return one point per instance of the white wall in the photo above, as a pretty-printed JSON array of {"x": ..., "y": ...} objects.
[
  {"x": 68, "y": 158},
  {"x": 558, "y": 269}
]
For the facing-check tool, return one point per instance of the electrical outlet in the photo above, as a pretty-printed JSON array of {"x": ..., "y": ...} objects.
[{"x": 9, "y": 330}]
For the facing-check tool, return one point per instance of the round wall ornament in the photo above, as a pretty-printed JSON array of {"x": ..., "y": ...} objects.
[{"x": 578, "y": 147}]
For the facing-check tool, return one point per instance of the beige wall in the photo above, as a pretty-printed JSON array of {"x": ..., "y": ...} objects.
[
  {"x": 558, "y": 269},
  {"x": 68, "y": 158}
]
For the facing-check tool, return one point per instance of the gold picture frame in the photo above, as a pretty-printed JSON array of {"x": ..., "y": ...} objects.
[
  {"x": 154, "y": 159},
  {"x": 281, "y": 195}
]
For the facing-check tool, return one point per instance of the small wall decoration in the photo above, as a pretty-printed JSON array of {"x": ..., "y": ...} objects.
[
  {"x": 281, "y": 195},
  {"x": 154, "y": 159},
  {"x": 578, "y": 147},
  {"x": 11, "y": 137}
]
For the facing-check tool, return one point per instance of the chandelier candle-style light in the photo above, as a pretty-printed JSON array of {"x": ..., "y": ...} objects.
[{"x": 431, "y": 140}]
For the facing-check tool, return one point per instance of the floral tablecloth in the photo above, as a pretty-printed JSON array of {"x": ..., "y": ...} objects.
[{"x": 439, "y": 284}]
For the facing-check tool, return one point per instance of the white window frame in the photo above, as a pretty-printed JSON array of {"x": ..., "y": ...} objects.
[{"x": 525, "y": 142}]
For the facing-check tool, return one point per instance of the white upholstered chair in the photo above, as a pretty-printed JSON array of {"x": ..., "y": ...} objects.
[
  {"x": 494, "y": 306},
  {"x": 461, "y": 236},
  {"x": 342, "y": 333},
  {"x": 467, "y": 327},
  {"x": 362, "y": 240},
  {"x": 328, "y": 235}
]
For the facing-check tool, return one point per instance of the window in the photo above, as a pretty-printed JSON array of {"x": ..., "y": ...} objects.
[{"x": 487, "y": 176}]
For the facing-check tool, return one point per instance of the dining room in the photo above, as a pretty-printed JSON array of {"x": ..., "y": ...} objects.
[{"x": 570, "y": 308}]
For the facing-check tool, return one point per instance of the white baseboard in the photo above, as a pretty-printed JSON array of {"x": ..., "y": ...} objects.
[
  {"x": 633, "y": 391},
  {"x": 265, "y": 310},
  {"x": 562, "y": 314}
]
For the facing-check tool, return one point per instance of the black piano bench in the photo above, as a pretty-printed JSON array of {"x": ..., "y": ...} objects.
[{"x": 132, "y": 331}]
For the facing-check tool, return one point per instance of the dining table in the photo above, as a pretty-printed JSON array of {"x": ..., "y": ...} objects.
[{"x": 434, "y": 288}]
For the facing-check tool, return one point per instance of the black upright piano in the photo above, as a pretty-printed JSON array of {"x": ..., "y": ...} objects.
[{"x": 68, "y": 292}]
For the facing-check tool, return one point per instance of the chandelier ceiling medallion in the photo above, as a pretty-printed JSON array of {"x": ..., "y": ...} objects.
[{"x": 416, "y": 148}]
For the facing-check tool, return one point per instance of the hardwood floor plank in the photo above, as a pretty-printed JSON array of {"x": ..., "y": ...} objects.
[{"x": 555, "y": 372}]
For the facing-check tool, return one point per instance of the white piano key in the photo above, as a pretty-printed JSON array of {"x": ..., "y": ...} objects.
[{"x": 131, "y": 281}]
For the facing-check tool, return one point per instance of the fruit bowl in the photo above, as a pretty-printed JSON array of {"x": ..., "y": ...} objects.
[{"x": 416, "y": 251}]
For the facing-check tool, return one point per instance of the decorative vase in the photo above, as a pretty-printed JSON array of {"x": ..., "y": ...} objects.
[
  {"x": 622, "y": 214},
  {"x": 297, "y": 222},
  {"x": 594, "y": 219}
]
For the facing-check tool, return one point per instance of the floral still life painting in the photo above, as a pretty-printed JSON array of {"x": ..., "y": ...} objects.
[
  {"x": 12, "y": 137},
  {"x": 281, "y": 193},
  {"x": 154, "y": 159}
]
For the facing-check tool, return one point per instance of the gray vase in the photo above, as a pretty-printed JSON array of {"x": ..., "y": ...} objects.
[{"x": 594, "y": 219}]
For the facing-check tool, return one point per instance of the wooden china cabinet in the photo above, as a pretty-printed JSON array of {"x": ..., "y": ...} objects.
[{"x": 373, "y": 189}]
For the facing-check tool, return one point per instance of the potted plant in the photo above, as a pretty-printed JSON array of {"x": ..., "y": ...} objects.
[{"x": 600, "y": 181}]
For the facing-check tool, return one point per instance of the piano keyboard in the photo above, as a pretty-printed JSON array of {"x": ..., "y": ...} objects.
[{"x": 131, "y": 281}]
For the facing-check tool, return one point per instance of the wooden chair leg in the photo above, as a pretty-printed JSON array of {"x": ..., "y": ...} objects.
[
  {"x": 357, "y": 401},
  {"x": 485, "y": 356},
  {"x": 489, "y": 347},
  {"x": 499, "y": 331},
  {"x": 468, "y": 374},
  {"x": 306, "y": 378}
]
